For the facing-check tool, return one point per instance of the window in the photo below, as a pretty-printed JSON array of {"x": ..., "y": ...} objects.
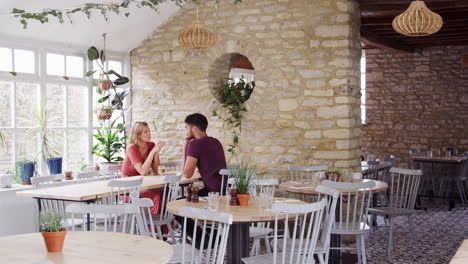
[
  {"x": 65, "y": 92},
  {"x": 363, "y": 88}
]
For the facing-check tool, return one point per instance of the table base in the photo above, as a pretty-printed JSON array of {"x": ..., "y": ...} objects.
[{"x": 238, "y": 243}]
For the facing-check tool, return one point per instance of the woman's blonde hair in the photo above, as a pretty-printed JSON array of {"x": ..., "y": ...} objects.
[{"x": 135, "y": 132}]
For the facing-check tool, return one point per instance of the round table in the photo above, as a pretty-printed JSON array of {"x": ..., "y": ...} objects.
[
  {"x": 85, "y": 247},
  {"x": 238, "y": 241},
  {"x": 306, "y": 188}
]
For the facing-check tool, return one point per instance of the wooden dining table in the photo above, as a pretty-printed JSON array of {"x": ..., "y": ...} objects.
[
  {"x": 85, "y": 247},
  {"x": 243, "y": 216}
]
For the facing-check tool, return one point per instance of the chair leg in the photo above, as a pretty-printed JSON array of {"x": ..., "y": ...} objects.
[
  {"x": 267, "y": 244},
  {"x": 358, "y": 249},
  {"x": 461, "y": 191},
  {"x": 321, "y": 258},
  {"x": 363, "y": 249},
  {"x": 171, "y": 232},
  {"x": 390, "y": 239}
]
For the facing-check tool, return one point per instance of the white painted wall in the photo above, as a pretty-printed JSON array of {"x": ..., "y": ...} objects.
[{"x": 18, "y": 215}]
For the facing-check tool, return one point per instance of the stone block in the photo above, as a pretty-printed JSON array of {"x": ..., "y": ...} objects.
[
  {"x": 313, "y": 134},
  {"x": 288, "y": 104},
  {"x": 338, "y": 133}
]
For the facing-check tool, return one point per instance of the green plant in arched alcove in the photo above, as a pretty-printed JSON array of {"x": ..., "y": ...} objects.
[{"x": 233, "y": 96}]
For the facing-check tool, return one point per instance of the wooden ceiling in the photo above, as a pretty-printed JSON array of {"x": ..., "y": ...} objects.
[{"x": 377, "y": 31}]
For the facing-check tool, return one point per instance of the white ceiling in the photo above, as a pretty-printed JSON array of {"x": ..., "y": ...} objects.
[{"x": 123, "y": 34}]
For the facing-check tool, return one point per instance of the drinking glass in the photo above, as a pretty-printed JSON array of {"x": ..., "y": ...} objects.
[
  {"x": 213, "y": 200},
  {"x": 266, "y": 200}
]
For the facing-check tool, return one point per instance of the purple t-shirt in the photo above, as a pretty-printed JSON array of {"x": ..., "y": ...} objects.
[{"x": 210, "y": 159}]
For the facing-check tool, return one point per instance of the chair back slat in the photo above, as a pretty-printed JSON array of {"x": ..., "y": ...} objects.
[
  {"x": 215, "y": 230},
  {"x": 172, "y": 166},
  {"x": 170, "y": 193},
  {"x": 121, "y": 189},
  {"x": 47, "y": 181},
  {"x": 306, "y": 222},
  {"x": 88, "y": 176},
  {"x": 404, "y": 186}
]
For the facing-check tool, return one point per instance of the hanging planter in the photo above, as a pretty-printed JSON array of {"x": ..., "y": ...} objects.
[
  {"x": 105, "y": 85},
  {"x": 104, "y": 113}
]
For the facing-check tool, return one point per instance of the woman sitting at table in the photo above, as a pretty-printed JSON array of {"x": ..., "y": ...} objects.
[{"x": 142, "y": 154}]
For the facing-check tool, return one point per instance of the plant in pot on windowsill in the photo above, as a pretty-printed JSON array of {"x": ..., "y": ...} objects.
[
  {"x": 53, "y": 231},
  {"x": 110, "y": 143},
  {"x": 243, "y": 177}
]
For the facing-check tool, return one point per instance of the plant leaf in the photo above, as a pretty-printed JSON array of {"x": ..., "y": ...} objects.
[{"x": 93, "y": 53}]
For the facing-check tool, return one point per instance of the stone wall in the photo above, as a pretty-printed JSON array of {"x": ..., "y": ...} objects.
[
  {"x": 305, "y": 107},
  {"x": 417, "y": 100}
]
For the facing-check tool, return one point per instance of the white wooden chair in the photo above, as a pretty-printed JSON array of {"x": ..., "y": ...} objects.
[
  {"x": 47, "y": 181},
  {"x": 170, "y": 193},
  {"x": 304, "y": 173},
  {"x": 112, "y": 172},
  {"x": 212, "y": 250},
  {"x": 322, "y": 249},
  {"x": 144, "y": 205},
  {"x": 299, "y": 248},
  {"x": 91, "y": 176},
  {"x": 404, "y": 186},
  {"x": 117, "y": 217},
  {"x": 354, "y": 201},
  {"x": 121, "y": 189},
  {"x": 262, "y": 230}
]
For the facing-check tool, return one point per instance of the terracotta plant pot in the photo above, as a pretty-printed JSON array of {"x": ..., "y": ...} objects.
[
  {"x": 243, "y": 199},
  {"x": 54, "y": 240},
  {"x": 104, "y": 113},
  {"x": 105, "y": 85},
  {"x": 69, "y": 175}
]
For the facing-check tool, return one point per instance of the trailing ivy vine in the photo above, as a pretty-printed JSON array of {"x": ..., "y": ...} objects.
[
  {"x": 233, "y": 96},
  {"x": 87, "y": 9}
]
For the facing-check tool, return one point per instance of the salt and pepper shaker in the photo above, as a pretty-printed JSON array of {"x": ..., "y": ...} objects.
[
  {"x": 234, "y": 200},
  {"x": 189, "y": 193},
  {"x": 195, "y": 194}
]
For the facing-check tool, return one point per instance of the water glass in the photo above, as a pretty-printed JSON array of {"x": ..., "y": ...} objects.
[
  {"x": 266, "y": 200},
  {"x": 213, "y": 200}
]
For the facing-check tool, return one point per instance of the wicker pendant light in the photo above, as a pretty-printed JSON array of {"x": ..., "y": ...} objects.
[
  {"x": 197, "y": 36},
  {"x": 417, "y": 20}
]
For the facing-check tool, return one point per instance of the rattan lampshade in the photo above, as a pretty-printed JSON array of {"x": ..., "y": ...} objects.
[
  {"x": 417, "y": 20},
  {"x": 197, "y": 36}
]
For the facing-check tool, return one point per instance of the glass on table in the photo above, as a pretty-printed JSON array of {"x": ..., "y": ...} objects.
[
  {"x": 213, "y": 200},
  {"x": 161, "y": 170},
  {"x": 266, "y": 200}
]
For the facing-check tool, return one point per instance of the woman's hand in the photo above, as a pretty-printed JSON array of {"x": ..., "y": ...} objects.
[{"x": 158, "y": 147}]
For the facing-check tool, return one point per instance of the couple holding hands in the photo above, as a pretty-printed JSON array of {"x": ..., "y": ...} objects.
[{"x": 200, "y": 151}]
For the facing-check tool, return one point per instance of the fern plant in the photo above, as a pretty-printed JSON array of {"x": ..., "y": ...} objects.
[{"x": 243, "y": 176}]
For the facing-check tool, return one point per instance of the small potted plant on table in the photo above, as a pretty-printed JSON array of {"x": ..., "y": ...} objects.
[
  {"x": 53, "y": 231},
  {"x": 243, "y": 177}
]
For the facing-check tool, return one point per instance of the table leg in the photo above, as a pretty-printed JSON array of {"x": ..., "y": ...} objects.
[{"x": 238, "y": 243}]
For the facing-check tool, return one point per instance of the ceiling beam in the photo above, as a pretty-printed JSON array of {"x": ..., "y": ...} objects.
[{"x": 374, "y": 40}]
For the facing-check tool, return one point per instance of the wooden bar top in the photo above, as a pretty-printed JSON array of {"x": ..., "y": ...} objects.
[
  {"x": 306, "y": 188},
  {"x": 85, "y": 247},
  {"x": 94, "y": 190},
  {"x": 454, "y": 159},
  {"x": 241, "y": 214},
  {"x": 461, "y": 257}
]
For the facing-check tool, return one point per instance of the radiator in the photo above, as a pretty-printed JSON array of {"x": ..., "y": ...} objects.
[{"x": 18, "y": 214}]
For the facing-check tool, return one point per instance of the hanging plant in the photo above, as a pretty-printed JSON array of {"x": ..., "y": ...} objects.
[
  {"x": 104, "y": 9},
  {"x": 233, "y": 96}
]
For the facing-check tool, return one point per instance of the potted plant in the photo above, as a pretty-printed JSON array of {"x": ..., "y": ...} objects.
[
  {"x": 333, "y": 174},
  {"x": 243, "y": 177},
  {"x": 53, "y": 231},
  {"x": 104, "y": 113},
  {"x": 69, "y": 175},
  {"x": 110, "y": 143},
  {"x": 24, "y": 171}
]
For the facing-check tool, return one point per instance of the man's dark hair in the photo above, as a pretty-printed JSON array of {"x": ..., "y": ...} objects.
[{"x": 197, "y": 120}]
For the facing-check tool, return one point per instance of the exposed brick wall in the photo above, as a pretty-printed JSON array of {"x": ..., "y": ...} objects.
[
  {"x": 416, "y": 100},
  {"x": 305, "y": 107}
]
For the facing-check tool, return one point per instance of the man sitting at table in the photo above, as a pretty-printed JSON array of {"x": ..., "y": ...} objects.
[
  {"x": 204, "y": 152},
  {"x": 207, "y": 154}
]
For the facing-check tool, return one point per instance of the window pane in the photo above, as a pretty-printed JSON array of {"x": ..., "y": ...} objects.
[
  {"x": 116, "y": 66},
  {"x": 26, "y": 144},
  {"x": 74, "y": 66},
  {"x": 6, "y": 153},
  {"x": 5, "y": 59},
  {"x": 56, "y": 140},
  {"x": 77, "y": 149},
  {"x": 55, "y": 64},
  {"x": 97, "y": 69},
  {"x": 78, "y": 106},
  {"x": 24, "y": 61},
  {"x": 27, "y": 98},
  {"x": 55, "y": 102},
  {"x": 6, "y": 96}
]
